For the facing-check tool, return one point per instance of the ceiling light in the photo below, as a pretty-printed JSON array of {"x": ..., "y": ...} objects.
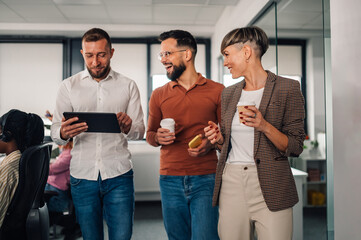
[{"x": 77, "y": 2}]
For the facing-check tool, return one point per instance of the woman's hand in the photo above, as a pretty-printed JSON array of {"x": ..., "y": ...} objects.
[
  {"x": 213, "y": 134},
  {"x": 253, "y": 118}
]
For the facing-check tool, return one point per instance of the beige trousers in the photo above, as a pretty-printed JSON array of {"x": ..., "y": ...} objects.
[{"x": 242, "y": 208}]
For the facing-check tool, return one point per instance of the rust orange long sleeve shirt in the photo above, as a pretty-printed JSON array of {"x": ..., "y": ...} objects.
[{"x": 191, "y": 109}]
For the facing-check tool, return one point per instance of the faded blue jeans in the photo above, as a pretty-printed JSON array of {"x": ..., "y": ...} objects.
[
  {"x": 60, "y": 202},
  {"x": 111, "y": 199},
  {"x": 187, "y": 207}
]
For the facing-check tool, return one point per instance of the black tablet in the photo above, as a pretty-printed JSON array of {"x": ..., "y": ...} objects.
[{"x": 96, "y": 121}]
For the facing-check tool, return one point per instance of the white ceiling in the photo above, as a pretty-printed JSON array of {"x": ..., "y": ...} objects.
[
  {"x": 135, "y": 18},
  {"x": 132, "y": 13}
]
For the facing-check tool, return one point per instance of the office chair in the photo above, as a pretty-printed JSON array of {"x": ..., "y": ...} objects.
[
  {"x": 27, "y": 216},
  {"x": 66, "y": 219}
]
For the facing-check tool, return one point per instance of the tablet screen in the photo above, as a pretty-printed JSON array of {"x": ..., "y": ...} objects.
[{"x": 96, "y": 121}]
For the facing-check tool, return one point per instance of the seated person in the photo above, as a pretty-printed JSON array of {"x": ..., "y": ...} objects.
[
  {"x": 59, "y": 177},
  {"x": 59, "y": 180},
  {"x": 18, "y": 131}
]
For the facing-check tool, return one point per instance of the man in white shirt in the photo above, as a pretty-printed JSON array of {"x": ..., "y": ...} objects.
[{"x": 101, "y": 170}]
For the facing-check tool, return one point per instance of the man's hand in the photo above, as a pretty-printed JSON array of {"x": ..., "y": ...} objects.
[
  {"x": 164, "y": 137},
  {"x": 201, "y": 150},
  {"x": 125, "y": 122},
  {"x": 69, "y": 131}
]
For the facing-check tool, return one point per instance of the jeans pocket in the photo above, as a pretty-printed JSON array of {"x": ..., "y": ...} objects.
[{"x": 74, "y": 181}]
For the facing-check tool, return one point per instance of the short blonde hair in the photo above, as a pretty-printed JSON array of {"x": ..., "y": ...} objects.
[{"x": 253, "y": 35}]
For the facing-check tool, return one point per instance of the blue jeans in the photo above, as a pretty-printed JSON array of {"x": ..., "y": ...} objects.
[
  {"x": 112, "y": 199},
  {"x": 60, "y": 202},
  {"x": 187, "y": 207}
]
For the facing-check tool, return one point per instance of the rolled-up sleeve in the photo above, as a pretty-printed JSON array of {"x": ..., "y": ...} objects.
[
  {"x": 293, "y": 121},
  {"x": 155, "y": 116},
  {"x": 135, "y": 112},
  {"x": 62, "y": 105}
]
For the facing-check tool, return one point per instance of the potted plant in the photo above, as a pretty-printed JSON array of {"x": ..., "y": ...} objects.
[{"x": 314, "y": 148}]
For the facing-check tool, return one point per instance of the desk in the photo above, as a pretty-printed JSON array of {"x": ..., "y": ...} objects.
[
  {"x": 316, "y": 161},
  {"x": 145, "y": 159},
  {"x": 300, "y": 177}
]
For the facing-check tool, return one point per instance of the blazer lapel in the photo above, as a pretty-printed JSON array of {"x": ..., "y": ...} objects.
[
  {"x": 267, "y": 94},
  {"x": 231, "y": 109}
]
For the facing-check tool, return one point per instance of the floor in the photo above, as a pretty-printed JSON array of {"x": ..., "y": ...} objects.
[
  {"x": 148, "y": 224},
  {"x": 315, "y": 223}
]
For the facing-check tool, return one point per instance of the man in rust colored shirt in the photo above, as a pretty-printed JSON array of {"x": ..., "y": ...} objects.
[{"x": 186, "y": 174}]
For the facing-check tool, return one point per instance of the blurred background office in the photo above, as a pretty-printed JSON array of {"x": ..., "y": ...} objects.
[{"x": 39, "y": 47}]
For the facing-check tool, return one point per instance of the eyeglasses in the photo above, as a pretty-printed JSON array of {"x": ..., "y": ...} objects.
[{"x": 168, "y": 53}]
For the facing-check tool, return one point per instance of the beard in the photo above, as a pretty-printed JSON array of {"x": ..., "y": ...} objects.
[
  {"x": 177, "y": 72},
  {"x": 102, "y": 74}
]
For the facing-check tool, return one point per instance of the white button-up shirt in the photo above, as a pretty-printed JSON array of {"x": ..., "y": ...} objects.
[{"x": 104, "y": 153}]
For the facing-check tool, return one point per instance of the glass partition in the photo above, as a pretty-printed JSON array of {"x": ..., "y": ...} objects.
[
  {"x": 300, "y": 49},
  {"x": 268, "y": 22},
  {"x": 329, "y": 121}
]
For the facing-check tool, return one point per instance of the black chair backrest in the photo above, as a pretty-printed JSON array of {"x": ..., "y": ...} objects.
[{"x": 33, "y": 175}]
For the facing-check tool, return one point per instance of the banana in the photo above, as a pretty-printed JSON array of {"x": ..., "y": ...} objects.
[{"x": 196, "y": 141}]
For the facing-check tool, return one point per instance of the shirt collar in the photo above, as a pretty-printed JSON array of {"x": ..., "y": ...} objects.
[
  {"x": 86, "y": 74},
  {"x": 200, "y": 81},
  {"x": 13, "y": 155}
]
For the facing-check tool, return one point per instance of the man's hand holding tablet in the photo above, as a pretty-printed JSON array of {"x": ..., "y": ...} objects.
[
  {"x": 125, "y": 122},
  {"x": 77, "y": 122},
  {"x": 70, "y": 130}
]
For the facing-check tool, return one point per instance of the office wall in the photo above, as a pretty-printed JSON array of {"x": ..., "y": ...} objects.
[
  {"x": 346, "y": 53},
  {"x": 30, "y": 75},
  {"x": 315, "y": 86},
  {"x": 131, "y": 61},
  {"x": 232, "y": 17}
]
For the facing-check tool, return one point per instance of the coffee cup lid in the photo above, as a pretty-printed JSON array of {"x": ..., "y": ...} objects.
[
  {"x": 167, "y": 121},
  {"x": 246, "y": 103}
]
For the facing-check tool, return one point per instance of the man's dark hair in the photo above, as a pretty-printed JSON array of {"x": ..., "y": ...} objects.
[
  {"x": 96, "y": 34},
  {"x": 184, "y": 39}
]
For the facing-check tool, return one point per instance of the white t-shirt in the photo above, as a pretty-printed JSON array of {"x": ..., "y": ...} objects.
[{"x": 242, "y": 136}]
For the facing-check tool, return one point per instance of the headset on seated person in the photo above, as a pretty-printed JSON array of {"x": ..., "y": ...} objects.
[
  {"x": 26, "y": 128},
  {"x": 5, "y": 135}
]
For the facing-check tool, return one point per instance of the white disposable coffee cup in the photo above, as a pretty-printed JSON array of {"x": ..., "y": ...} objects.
[
  {"x": 168, "y": 123},
  {"x": 241, "y": 105}
]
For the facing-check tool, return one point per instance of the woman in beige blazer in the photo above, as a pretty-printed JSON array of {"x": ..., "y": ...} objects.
[{"x": 254, "y": 186}]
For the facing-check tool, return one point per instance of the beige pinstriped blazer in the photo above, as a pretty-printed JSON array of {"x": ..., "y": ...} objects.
[{"x": 282, "y": 105}]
